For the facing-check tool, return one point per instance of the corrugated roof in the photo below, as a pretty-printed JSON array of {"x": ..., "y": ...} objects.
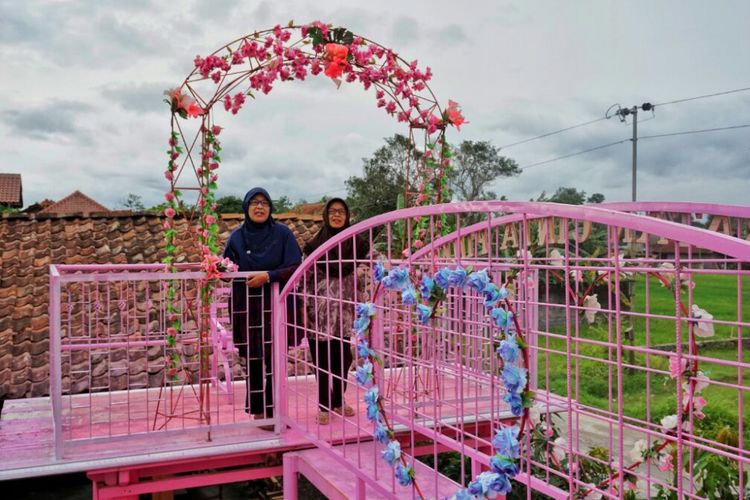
[{"x": 11, "y": 190}]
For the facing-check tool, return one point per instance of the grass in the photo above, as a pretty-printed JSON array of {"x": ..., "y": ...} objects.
[{"x": 716, "y": 294}]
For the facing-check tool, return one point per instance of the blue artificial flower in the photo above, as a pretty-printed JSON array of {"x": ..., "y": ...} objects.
[
  {"x": 361, "y": 324},
  {"x": 503, "y": 464},
  {"x": 381, "y": 433},
  {"x": 372, "y": 395},
  {"x": 509, "y": 349},
  {"x": 378, "y": 273},
  {"x": 457, "y": 278},
  {"x": 515, "y": 402},
  {"x": 463, "y": 495},
  {"x": 491, "y": 296},
  {"x": 365, "y": 309},
  {"x": 476, "y": 488},
  {"x": 503, "y": 319},
  {"x": 397, "y": 279},
  {"x": 392, "y": 452},
  {"x": 426, "y": 286},
  {"x": 409, "y": 295},
  {"x": 478, "y": 280},
  {"x": 499, "y": 483},
  {"x": 405, "y": 475},
  {"x": 363, "y": 348},
  {"x": 506, "y": 441},
  {"x": 364, "y": 374},
  {"x": 443, "y": 277},
  {"x": 514, "y": 378},
  {"x": 423, "y": 313},
  {"x": 373, "y": 413},
  {"x": 503, "y": 293}
]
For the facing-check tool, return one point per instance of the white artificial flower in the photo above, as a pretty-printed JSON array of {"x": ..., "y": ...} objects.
[
  {"x": 669, "y": 422},
  {"x": 526, "y": 254},
  {"x": 556, "y": 258},
  {"x": 592, "y": 305},
  {"x": 639, "y": 448},
  {"x": 705, "y": 326},
  {"x": 701, "y": 382},
  {"x": 534, "y": 415},
  {"x": 577, "y": 275},
  {"x": 559, "y": 448},
  {"x": 592, "y": 494}
]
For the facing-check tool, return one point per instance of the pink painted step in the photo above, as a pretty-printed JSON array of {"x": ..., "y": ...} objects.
[{"x": 336, "y": 478}]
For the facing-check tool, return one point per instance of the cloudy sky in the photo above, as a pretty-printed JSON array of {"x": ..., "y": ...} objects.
[{"x": 82, "y": 86}]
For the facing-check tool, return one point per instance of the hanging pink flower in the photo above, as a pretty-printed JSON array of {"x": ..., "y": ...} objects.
[
  {"x": 169, "y": 212},
  {"x": 454, "y": 115},
  {"x": 335, "y": 56}
]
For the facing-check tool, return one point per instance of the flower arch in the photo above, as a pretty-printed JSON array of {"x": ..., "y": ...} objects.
[{"x": 254, "y": 64}]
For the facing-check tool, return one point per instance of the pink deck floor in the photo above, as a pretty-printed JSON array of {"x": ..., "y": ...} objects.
[{"x": 27, "y": 445}]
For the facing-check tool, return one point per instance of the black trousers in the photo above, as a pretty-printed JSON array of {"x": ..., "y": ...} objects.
[
  {"x": 259, "y": 398},
  {"x": 332, "y": 358}
]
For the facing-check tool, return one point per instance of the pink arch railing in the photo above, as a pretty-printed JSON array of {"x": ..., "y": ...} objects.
[{"x": 441, "y": 385}]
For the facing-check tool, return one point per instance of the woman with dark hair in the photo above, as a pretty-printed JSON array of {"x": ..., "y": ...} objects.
[
  {"x": 335, "y": 289},
  {"x": 259, "y": 244}
]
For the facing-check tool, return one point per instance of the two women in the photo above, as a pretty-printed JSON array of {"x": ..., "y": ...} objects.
[{"x": 271, "y": 250}]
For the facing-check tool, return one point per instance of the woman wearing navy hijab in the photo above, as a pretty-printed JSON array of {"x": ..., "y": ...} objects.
[{"x": 259, "y": 244}]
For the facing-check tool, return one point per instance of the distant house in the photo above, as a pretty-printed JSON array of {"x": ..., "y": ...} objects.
[
  {"x": 74, "y": 203},
  {"x": 11, "y": 192}
]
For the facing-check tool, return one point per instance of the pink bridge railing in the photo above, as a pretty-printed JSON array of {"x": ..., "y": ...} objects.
[
  {"x": 637, "y": 343},
  {"x": 119, "y": 375}
]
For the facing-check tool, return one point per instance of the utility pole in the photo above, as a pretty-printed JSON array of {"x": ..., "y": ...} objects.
[{"x": 622, "y": 113}]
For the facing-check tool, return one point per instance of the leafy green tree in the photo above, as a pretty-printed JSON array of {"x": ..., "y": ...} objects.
[
  {"x": 229, "y": 205},
  {"x": 283, "y": 204},
  {"x": 383, "y": 178},
  {"x": 595, "y": 198},
  {"x": 475, "y": 165},
  {"x": 133, "y": 202},
  {"x": 569, "y": 195}
]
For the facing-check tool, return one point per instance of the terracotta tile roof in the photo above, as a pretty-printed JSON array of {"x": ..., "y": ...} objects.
[
  {"x": 75, "y": 203},
  {"x": 11, "y": 190},
  {"x": 30, "y": 242}
]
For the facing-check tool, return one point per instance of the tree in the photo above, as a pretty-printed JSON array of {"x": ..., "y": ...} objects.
[
  {"x": 283, "y": 204},
  {"x": 133, "y": 202},
  {"x": 595, "y": 198},
  {"x": 229, "y": 205},
  {"x": 569, "y": 195},
  {"x": 475, "y": 165},
  {"x": 383, "y": 179}
]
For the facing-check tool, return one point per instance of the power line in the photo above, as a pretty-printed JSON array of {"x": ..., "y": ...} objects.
[
  {"x": 573, "y": 154},
  {"x": 603, "y": 146},
  {"x": 695, "y": 131},
  {"x": 702, "y": 96},
  {"x": 551, "y": 133}
]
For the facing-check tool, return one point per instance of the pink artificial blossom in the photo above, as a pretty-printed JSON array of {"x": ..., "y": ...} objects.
[
  {"x": 210, "y": 219},
  {"x": 169, "y": 212},
  {"x": 676, "y": 368},
  {"x": 216, "y": 130},
  {"x": 169, "y": 196},
  {"x": 665, "y": 463}
]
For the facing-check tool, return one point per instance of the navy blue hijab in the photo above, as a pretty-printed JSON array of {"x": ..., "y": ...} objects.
[{"x": 263, "y": 247}]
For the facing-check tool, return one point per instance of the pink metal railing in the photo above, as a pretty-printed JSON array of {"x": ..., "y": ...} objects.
[
  {"x": 602, "y": 384},
  {"x": 116, "y": 375}
]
